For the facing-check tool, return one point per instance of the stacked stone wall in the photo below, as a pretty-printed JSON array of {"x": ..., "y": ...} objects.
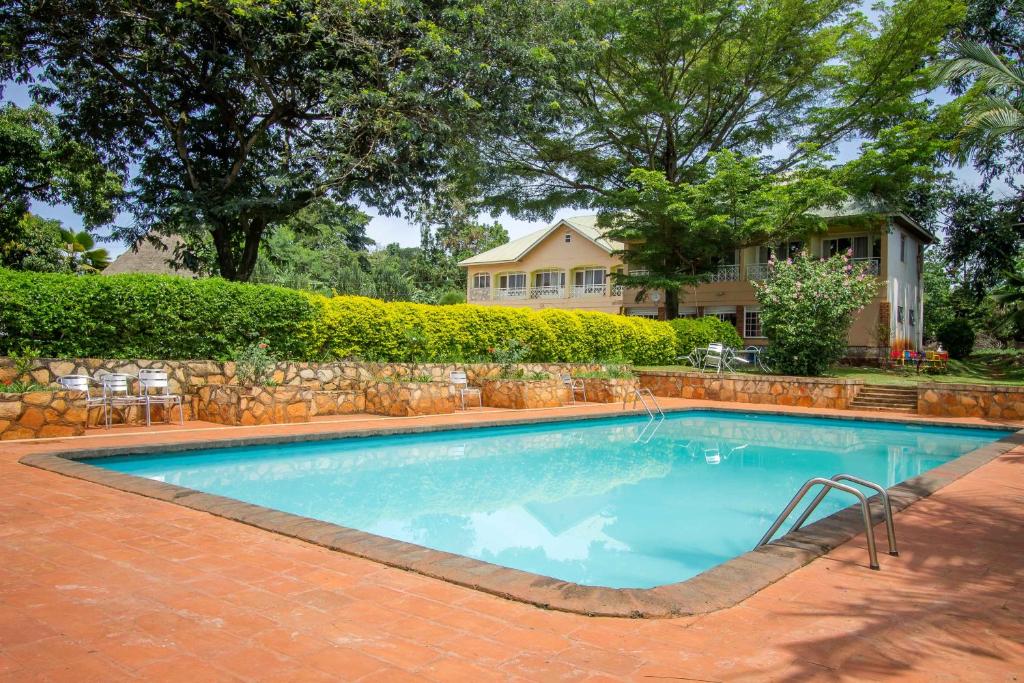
[
  {"x": 971, "y": 400},
  {"x": 807, "y": 392}
]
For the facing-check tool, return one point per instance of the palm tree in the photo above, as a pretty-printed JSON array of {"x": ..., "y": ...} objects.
[
  {"x": 80, "y": 247},
  {"x": 999, "y": 112}
]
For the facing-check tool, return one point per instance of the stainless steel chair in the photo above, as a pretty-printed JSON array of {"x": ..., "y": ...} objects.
[
  {"x": 118, "y": 394},
  {"x": 85, "y": 384},
  {"x": 461, "y": 382},
  {"x": 151, "y": 380},
  {"x": 575, "y": 386}
]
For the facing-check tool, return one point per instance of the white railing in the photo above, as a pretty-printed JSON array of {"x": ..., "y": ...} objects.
[
  {"x": 873, "y": 265},
  {"x": 617, "y": 290},
  {"x": 510, "y": 293},
  {"x": 725, "y": 274},
  {"x": 550, "y": 292},
  {"x": 479, "y": 293},
  {"x": 758, "y": 271},
  {"x": 589, "y": 290}
]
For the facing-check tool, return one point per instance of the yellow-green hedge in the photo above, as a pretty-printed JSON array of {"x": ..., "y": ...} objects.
[
  {"x": 155, "y": 316},
  {"x": 349, "y": 326}
]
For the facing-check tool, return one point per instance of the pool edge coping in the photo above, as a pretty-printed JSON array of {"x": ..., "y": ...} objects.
[{"x": 719, "y": 587}]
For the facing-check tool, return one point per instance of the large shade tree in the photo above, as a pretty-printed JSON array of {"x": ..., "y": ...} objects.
[
  {"x": 234, "y": 114},
  {"x": 665, "y": 86}
]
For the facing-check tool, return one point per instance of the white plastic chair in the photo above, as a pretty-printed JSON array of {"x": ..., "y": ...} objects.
[
  {"x": 149, "y": 380},
  {"x": 85, "y": 384},
  {"x": 117, "y": 393},
  {"x": 574, "y": 386},
  {"x": 461, "y": 382}
]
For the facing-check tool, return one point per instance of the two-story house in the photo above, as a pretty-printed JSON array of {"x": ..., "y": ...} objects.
[{"x": 569, "y": 265}]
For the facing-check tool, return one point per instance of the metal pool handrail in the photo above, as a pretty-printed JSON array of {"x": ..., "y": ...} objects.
[
  {"x": 890, "y": 528},
  {"x": 827, "y": 483},
  {"x": 638, "y": 394}
]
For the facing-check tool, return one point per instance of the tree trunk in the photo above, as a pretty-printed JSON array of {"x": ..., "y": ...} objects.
[
  {"x": 232, "y": 263},
  {"x": 671, "y": 304}
]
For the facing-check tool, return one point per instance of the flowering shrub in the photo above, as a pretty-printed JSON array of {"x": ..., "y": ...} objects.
[
  {"x": 807, "y": 306},
  {"x": 254, "y": 365}
]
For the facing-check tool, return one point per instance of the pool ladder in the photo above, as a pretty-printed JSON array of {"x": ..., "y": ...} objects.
[
  {"x": 865, "y": 510},
  {"x": 642, "y": 394}
]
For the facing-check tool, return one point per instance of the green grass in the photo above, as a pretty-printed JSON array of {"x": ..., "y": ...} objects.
[{"x": 986, "y": 367}]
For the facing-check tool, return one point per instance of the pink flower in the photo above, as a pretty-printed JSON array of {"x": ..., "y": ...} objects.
[{"x": 263, "y": 346}]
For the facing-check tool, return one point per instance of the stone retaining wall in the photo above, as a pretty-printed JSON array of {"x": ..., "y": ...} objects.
[
  {"x": 234, "y": 405},
  {"x": 186, "y": 376},
  {"x": 41, "y": 414},
  {"x": 340, "y": 402},
  {"x": 971, "y": 400},
  {"x": 524, "y": 393},
  {"x": 808, "y": 392},
  {"x": 404, "y": 399},
  {"x": 609, "y": 390}
]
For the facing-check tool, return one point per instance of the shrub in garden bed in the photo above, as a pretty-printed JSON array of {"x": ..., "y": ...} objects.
[{"x": 154, "y": 316}]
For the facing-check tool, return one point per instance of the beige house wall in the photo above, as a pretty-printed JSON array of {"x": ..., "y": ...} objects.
[
  {"x": 555, "y": 254},
  {"x": 735, "y": 293}
]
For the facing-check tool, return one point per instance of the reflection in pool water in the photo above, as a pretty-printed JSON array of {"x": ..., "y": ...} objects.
[{"x": 581, "y": 501}]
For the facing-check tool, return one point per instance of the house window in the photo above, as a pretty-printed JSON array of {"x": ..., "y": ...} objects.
[
  {"x": 903, "y": 248},
  {"x": 482, "y": 281},
  {"x": 589, "y": 276},
  {"x": 687, "y": 311},
  {"x": 568, "y": 237},
  {"x": 549, "y": 278},
  {"x": 863, "y": 246},
  {"x": 752, "y": 323},
  {"x": 649, "y": 313},
  {"x": 512, "y": 281},
  {"x": 724, "y": 313},
  {"x": 913, "y": 317},
  {"x": 899, "y": 314},
  {"x": 790, "y": 249}
]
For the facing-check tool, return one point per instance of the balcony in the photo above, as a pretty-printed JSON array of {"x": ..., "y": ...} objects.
[
  {"x": 510, "y": 293},
  {"x": 725, "y": 274},
  {"x": 873, "y": 266},
  {"x": 758, "y": 271},
  {"x": 479, "y": 293},
  {"x": 549, "y": 292}
]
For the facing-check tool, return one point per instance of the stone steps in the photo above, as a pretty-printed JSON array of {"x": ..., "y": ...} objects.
[{"x": 886, "y": 397}]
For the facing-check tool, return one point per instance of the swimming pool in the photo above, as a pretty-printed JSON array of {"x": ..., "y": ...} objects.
[{"x": 607, "y": 502}]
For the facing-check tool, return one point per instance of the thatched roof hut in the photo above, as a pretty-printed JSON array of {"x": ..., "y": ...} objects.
[{"x": 145, "y": 256}]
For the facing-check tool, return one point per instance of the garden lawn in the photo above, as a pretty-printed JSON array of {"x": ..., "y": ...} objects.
[{"x": 988, "y": 367}]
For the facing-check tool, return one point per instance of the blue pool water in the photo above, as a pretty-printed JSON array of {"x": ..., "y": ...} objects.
[{"x": 581, "y": 501}]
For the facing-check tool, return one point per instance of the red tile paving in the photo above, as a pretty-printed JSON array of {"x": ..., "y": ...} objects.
[{"x": 98, "y": 584}]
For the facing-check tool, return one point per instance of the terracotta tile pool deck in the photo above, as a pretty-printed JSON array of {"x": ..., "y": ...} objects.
[{"x": 100, "y": 584}]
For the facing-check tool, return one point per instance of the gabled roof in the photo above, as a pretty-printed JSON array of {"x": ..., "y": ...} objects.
[
  {"x": 872, "y": 206},
  {"x": 518, "y": 248}
]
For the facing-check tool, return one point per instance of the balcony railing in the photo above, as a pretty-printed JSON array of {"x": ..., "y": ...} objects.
[
  {"x": 550, "y": 292},
  {"x": 873, "y": 265},
  {"x": 479, "y": 293},
  {"x": 510, "y": 293},
  {"x": 725, "y": 274},
  {"x": 758, "y": 271}
]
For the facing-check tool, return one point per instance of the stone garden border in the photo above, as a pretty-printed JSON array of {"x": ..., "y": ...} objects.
[{"x": 717, "y": 588}]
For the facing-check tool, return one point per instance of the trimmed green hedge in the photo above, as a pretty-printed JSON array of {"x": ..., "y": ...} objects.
[
  {"x": 154, "y": 316},
  {"x": 697, "y": 333}
]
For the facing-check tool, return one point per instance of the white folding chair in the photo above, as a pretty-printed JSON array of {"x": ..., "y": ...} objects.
[
  {"x": 117, "y": 392},
  {"x": 85, "y": 384},
  {"x": 461, "y": 382},
  {"x": 150, "y": 380},
  {"x": 575, "y": 386}
]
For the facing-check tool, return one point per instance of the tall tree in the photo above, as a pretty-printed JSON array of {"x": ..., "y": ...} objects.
[
  {"x": 237, "y": 114},
  {"x": 664, "y": 86},
  {"x": 38, "y": 162},
  {"x": 983, "y": 239}
]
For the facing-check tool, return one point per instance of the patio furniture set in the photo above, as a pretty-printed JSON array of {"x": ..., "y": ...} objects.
[
  {"x": 928, "y": 361},
  {"x": 113, "y": 392},
  {"x": 720, "y": 358}
]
